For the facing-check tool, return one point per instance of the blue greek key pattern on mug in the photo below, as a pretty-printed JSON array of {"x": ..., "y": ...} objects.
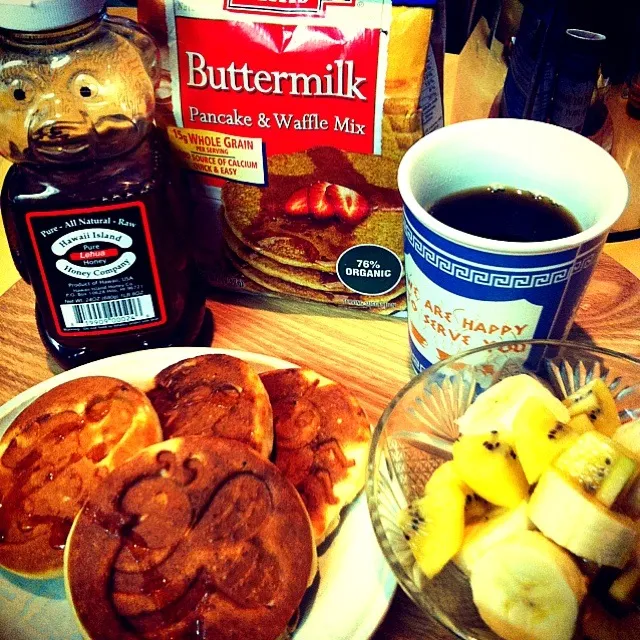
[
  {"x": 586, "y": 261},
  {"x": 499, "y": 279}
]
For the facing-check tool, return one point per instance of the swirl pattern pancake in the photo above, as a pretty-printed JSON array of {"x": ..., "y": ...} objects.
[
  {"x": 195, "y": 537},
  {"x": 54, "y": 454},
  {"x": 216, "y": 395},
  {"x": 322, "y": 441}
]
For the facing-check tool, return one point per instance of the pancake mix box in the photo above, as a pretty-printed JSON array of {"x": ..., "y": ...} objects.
[{"x": 291, "y": 117}]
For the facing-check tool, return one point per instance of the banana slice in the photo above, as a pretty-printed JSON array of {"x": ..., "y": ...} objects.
[
  {"x": 629, "y": 502},
  {"x": 481, "y": 536},
  {"x": 495, "y": 408},
  {"x": 580, "y": 523},
  {"x": 527, "y": 588},
  {"x": 625, "y": 589},
  {"x": 628, "y": 436}
]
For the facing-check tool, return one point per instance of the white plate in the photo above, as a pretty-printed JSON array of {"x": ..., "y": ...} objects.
[{"x": 356, "y": 584}]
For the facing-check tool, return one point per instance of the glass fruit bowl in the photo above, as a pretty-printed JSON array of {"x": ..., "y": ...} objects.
[{"x": 416, "y": 433}]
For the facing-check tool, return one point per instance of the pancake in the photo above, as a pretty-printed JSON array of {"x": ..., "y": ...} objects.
[
  {"x": 257, "y": 217},
  {"x": 311, "y": 278},
  {"x": 289, "y": 288},
  {"x": 214, "y": 395},
  {"x": 195, "y": 537},
  {"x": 322, "y": 439},
  {"x": 54, "y": 454}
]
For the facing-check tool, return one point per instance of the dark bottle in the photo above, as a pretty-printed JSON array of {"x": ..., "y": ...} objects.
[
  {"x": 576, "y": 80},
  {"x": 631, "y": 57},
  {"x": 633, "y": 100},
  {"x": 92, "y": 209},
  {"x": 528, "y": 86}
]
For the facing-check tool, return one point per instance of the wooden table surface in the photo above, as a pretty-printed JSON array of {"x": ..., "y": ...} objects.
[{"x": 369, "y": 354}]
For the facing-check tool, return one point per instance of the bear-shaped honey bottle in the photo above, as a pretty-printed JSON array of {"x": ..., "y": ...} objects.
[{"x": 91, "y": 207}]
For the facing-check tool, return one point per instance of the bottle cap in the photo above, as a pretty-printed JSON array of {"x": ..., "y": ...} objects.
[{"x": 44, "y": 15}]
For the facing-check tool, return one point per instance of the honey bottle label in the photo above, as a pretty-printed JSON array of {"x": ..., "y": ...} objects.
[{"x": 98, "y": 268}]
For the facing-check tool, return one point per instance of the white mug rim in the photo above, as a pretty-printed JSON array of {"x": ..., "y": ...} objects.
[{"x": 602, "y": 226}]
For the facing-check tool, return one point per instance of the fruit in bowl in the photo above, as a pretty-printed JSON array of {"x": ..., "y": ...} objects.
[
  {"x": 560, "y": 488},
  {"x": 533, "y": 497}
]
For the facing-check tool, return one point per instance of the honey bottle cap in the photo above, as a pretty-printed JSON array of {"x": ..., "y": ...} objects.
[{"x": 46, "y": 15}]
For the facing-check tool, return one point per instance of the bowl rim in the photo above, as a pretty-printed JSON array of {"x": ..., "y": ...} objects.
[
  {"x": 434, "y": 368},
  {"x": 441, "y": 618}
]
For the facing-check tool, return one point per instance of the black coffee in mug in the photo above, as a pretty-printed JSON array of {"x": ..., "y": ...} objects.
[{"x": 505, "y": 213}]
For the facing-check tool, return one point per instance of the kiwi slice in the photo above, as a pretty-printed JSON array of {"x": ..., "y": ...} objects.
[
  {"x": 581, "y": 423},
  {"x": 616, "y": 480},
  {"x": 475, "y": 508},
  {"x": 596, "y": 402},
  {"x": 597, "y": 465},
  {"x": 433, "y": 527}
]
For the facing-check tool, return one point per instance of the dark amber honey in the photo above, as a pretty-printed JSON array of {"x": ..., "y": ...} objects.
[{"x": 141, "y": 176}]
